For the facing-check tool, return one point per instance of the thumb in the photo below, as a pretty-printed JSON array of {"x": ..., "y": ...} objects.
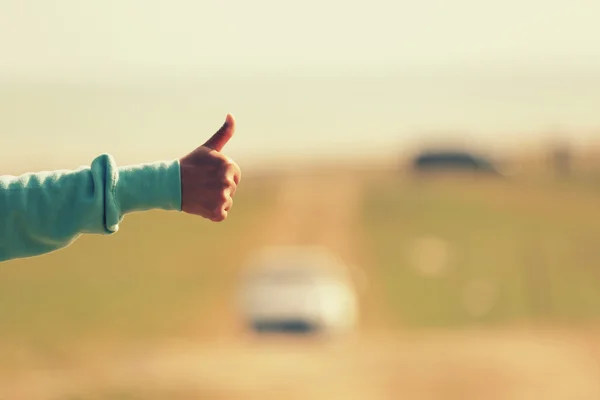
[{"x": 222, "y": 136}]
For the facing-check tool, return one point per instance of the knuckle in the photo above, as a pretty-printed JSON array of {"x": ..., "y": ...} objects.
[
  {"x": 227, "y": 183},
  {"x": 229, "y": 171},
  {"x": 236, "y": 173},
  {"x": 219, "y": 162},
  {"x": 219, "y": 216},
  {"x": 222, "y": 198},
  {"x": 226, "y": 167},
  {"x": 231, "y": 166},
  {"x": 224, "y": 162}
]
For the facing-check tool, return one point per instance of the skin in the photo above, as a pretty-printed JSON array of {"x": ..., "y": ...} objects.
[{"x": 209, "y": 179}]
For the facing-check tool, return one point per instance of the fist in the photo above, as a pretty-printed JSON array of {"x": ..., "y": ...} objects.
[{"x": 209, "y": 179}]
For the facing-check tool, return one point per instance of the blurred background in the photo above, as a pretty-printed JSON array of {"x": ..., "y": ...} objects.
[{"x": 445, "y": 153}]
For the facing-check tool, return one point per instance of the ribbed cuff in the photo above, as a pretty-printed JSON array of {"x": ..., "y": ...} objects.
[{"x": 149, "y": 186}]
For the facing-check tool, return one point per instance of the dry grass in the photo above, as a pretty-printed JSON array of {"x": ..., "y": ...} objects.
[{"x": 141, "y": 314}]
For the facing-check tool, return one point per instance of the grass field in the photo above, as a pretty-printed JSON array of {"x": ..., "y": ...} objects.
[
  {"x": 155, "y": 278},
  {"x": 445, "y": 254},
  {"x": 529, "y": 249}
]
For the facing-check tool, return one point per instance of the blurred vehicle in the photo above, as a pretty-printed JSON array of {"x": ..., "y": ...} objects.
[
  {"x": 298, "y": 290},
  {"x": 453, "y": 161}
]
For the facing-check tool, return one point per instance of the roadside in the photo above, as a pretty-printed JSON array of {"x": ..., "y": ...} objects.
[{"x": 515, "y": 364}]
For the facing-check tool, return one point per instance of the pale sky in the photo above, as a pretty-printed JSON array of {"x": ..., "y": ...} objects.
[
  {"x": 78, "y": 38},
  {"x": 127, "y": 39}
]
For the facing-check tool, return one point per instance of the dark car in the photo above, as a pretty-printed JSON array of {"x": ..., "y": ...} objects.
[{"x": 452, "y": 161}]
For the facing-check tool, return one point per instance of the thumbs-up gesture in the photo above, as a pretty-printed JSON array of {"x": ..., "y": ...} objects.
[{"x": 208, "y": 178}]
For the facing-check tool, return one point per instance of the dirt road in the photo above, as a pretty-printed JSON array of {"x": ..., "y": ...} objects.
[
  {"x": 508, "y": 364},
  {"x": 440, "y": 365}
]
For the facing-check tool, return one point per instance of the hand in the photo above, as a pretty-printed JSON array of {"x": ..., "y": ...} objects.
[{"x": 208, "y": 178}]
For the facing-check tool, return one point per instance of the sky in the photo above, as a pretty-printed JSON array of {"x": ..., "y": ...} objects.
[
  {"x": 73, "y": 38},
  {"x": 492, "y": 69}
]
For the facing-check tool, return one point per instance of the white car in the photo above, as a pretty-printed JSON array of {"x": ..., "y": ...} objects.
[{"x": 299, "y": 290}]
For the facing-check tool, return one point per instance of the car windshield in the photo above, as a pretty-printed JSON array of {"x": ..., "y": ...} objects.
[{"x": 292, "y": 274}]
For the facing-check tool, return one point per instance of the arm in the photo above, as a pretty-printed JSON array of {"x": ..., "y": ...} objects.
[{"x": 43, "y": 212}]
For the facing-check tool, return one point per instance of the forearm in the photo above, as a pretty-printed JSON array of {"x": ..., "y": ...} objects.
[{"x": 43, "y": 212}]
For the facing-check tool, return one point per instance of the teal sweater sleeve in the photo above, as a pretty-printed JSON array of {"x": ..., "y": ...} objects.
[{"x": 46, "y": 211}]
